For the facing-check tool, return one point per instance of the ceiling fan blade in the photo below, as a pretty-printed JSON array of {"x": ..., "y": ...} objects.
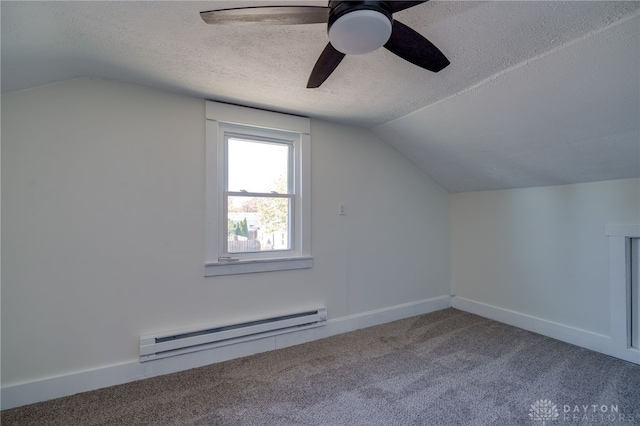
[
  {"x": 326, "y": 64},
  {"x": 397, "y": 6},
  {"x": 412, "y": 47},
  {"x": 269, "y": 15}
]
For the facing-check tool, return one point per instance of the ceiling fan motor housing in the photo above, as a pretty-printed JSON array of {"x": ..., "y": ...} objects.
[{"x": 358, "y": 27}]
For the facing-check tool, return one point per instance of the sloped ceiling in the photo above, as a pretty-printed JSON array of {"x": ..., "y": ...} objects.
[{"x": 537, "y": 93}]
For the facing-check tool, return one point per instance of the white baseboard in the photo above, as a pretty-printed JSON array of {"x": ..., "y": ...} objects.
[
  {"x": 568, "y": 334},
  {"x": 55, "y": 387},
  {"x": 364, "y": 320}
]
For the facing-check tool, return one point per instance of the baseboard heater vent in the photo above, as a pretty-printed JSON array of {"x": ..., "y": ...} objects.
[{"x": 165, "y": 345}]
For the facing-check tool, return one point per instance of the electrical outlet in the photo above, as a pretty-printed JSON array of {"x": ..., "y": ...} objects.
[{"x": 342, "y": 209}]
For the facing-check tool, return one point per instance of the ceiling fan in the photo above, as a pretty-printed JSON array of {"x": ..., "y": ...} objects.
[{"x": 354, "y": 27}]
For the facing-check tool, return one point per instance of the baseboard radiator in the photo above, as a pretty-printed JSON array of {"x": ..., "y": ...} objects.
[{"x": 170, "y": 344}]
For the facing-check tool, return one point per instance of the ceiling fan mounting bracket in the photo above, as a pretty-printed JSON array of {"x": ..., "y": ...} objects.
[{"x": 341, "y": 8}]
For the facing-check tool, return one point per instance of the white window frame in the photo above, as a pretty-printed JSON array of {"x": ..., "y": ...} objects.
[{"x": 223, "y": 119}]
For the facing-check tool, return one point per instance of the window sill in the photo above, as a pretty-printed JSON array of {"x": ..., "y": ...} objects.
[{"x": 258, "y": 265}]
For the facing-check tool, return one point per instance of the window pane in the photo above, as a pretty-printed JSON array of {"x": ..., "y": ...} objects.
[
  {"x": 257, "y": 166},
  {"x": 257, "y": 224}
]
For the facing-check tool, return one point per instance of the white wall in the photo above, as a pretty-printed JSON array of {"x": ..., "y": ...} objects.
[
  {"x": 103, "y": 228},
  {"x": 541, "y": 252},
  {"x": 103, "y": 233}
]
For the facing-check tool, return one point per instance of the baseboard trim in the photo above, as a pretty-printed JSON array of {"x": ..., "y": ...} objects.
[
  {"x": 575, "y": 336},
  {"x": 82, "y": 381},
  {"x": 364, "y": 320}
]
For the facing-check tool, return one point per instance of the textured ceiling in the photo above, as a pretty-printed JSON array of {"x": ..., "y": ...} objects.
[
  {"x": 537, "y": 93},
  {"x": 569, "y": 116}
]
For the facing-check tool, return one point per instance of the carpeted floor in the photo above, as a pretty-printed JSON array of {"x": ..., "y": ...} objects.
[{"x": 444, "y": 368}]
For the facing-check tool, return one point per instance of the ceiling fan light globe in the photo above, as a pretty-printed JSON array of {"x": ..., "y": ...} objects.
[{"x": 360, "y": 32}]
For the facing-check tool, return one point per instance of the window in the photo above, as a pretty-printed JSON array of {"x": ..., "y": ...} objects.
[
  {"x": 259, "y": 195},
  {"x": 257, "y": 191}
]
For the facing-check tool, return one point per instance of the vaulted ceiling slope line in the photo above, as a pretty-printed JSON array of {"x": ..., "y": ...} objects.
[{"x": 568, "y": 116}]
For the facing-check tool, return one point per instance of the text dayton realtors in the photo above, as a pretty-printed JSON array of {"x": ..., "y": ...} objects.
[{"x": 594, "y": 412}]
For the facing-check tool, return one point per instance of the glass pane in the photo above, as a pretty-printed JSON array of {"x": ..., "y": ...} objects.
[
  {"x": 257, "y": 166},
  {"x": 257, "y": 224}
]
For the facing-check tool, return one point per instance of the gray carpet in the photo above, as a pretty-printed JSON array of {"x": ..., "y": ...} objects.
[{"x": 444, "y": 368}]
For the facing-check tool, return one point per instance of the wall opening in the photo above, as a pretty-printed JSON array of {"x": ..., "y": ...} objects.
[
  {"x": 634, "y": 292},
  {"x": 624, "y": 280}
]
